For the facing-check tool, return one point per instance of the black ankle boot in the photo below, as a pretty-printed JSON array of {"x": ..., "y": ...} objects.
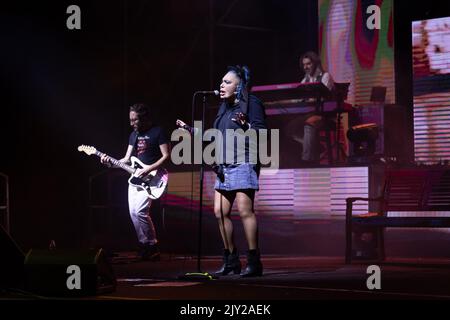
[
  {"x": 254, "y": 266},
  {"x": 226, "y": 253},
  {"x": 231, "y": 262}
]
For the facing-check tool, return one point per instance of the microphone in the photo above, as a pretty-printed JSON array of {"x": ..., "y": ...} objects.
[
  {"x": 187, "y": 128},
  {"x": 215, "y": 92}
]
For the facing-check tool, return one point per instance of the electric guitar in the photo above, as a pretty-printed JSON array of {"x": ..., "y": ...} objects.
[{"x": 154, "y": 183}]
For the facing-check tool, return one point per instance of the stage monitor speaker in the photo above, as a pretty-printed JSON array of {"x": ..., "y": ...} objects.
[
  {"x": 11, "y": 263},
  {"x": 68, "y": 273}
]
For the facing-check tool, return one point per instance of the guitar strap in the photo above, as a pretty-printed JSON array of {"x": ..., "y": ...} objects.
[{"x": 136, "y": 134}]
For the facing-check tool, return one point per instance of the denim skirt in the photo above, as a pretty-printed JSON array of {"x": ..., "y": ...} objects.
[{"x": 238, "y": 177}]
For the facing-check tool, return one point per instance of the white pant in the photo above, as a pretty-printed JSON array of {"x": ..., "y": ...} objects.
[
  {"x": 311, "y": 149},
  {"x": 139, "y": 204}
]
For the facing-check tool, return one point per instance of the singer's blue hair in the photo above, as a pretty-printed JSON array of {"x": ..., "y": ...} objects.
[{"x": 243, "y": 72}]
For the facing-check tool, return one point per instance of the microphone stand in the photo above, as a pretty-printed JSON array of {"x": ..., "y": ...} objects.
[{"x": 199, "y": 275}]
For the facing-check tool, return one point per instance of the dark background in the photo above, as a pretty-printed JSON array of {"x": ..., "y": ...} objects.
[{"x": 62, "y": 88}]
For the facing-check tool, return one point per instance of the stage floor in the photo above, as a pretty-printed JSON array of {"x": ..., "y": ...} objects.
[{"x": 285, "y": 278}]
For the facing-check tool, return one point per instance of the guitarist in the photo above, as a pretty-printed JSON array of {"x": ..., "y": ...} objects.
[{"x": 149, "y": 144}]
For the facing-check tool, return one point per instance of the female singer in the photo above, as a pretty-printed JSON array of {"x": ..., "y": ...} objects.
[{"x": 237, "y": 178}]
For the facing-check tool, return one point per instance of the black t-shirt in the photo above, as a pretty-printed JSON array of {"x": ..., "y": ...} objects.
[{"x": 146, "y": 144}]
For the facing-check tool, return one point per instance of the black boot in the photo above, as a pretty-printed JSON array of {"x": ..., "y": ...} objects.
[
  {"x": 226, "y": 253},
  {"x": 150, "y": 252},
  {"x": 254, "y": 266},
  {"x": 231, "y": 262}
]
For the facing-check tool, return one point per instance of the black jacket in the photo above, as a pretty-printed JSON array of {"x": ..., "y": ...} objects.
[
  {"x": 254, "y": 110},
  {"x": 256, "y": 117}
]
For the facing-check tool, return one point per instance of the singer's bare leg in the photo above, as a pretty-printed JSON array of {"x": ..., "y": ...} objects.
[
  {"x": 223, "y": 202},
  {"x": 244, "y": 201}
]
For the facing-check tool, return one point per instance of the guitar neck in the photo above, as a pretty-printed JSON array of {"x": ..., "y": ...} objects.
[{"x": 117, "y": 162}]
